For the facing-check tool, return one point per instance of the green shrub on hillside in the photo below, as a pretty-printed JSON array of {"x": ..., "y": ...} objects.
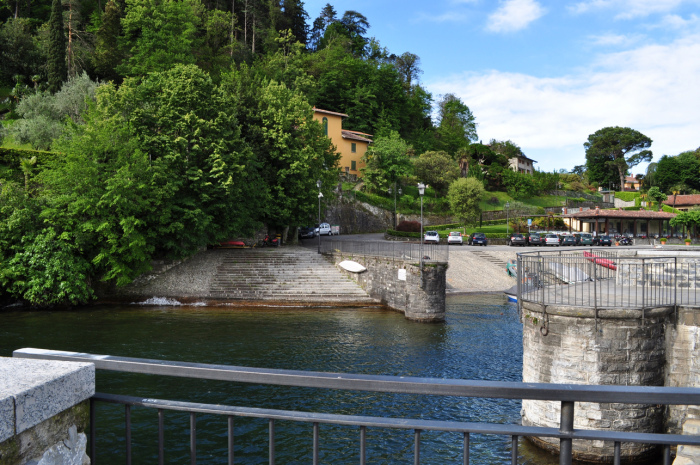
[{"x": 627, "y": 196}]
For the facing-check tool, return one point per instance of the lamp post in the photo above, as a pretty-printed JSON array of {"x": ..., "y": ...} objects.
[
  {"x": 507, "y": 205},
  {"x": 318, "y": 184},
  {"x": 421, "y": 191},
  {"x": 399, "y": 190}
]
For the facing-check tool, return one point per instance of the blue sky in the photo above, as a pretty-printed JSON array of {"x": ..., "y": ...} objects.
[{"x": 546, "y": 74}]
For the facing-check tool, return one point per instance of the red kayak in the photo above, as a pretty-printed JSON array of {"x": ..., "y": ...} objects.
[{"x": 600, "y": 261}]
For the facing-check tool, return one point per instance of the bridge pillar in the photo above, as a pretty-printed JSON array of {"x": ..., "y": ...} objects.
[{"x": 569, "y": 345}]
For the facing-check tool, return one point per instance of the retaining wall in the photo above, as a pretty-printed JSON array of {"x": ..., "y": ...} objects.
[{"x": 420, "y": 296}]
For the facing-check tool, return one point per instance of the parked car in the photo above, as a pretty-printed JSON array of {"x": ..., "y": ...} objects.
[
  {"x": 568, "y": 240},
  {"x": 324, "y": 229},
  {"x": 603, "y": 240},
  {"x": 478, "y": 239},
  {"x": 517, "y": 239},
  {"x": 583, "y": 238},
  {"x": 551, "y": 239},
  {"x": 455, "y": 237},
  {"x": 534, "y": 239},
  {"x": 431, "y": 236},
  {"x": 306, "y": 232}
]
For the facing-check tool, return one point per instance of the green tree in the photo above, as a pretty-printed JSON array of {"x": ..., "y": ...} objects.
[
  {"x": 519, "y": 185},
  {"x": 457, "y": 125},
  {"x": 108, "y": 56},
  {"x": 437, "y": 169},
  {"x": 57, "y": 70},
  {"x": 158, "y": 35},
  {"x": 681, "y": 171},
  {"x": 19, "y": 55},
  {"x": 657, "y": 196},
  {"x": 464, "y": 196},
  {"x": 615, "y": 150},
  {"x": 386, "y": 162},
  {"x": 688, "y": 220},
  {"x": 46, "y": 116}
]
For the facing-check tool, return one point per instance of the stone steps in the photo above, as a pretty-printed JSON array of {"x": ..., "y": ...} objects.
[
  {"x": 292, "y": 274},
  {"x": 489, "y": 258}
]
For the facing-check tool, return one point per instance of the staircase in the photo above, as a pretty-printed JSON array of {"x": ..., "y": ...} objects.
[
  {"x": 489, "y": 258},
  {"x": 289, "y": 274}
]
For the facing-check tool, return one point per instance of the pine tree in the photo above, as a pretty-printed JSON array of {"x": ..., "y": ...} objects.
[{"x": 57, "y": 48}]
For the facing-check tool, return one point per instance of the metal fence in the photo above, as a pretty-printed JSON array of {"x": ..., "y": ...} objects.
[
  {"x": 600, "y": 279},
  {"x": 566, "y": 394},
  {"x": 390, "y": 249}
]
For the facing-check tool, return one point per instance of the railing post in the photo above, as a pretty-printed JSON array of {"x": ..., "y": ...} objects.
[
  {"x": 566, "y": 426},
  {"x": 93, "y": 431},
  {"x": 644, "y": 288}
]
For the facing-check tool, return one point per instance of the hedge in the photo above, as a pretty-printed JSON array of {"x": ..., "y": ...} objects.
[
  {"x": 627, "y": 196},
  {"x": 11, "y": 157}
]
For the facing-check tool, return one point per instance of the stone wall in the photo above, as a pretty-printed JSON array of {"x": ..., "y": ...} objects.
[
  {"x": 44, "y": 411},
  {"x": 561, "y": 347},
  {"x": 421, "y": 296}
]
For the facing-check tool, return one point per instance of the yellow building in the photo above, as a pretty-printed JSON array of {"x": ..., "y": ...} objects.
[{"x": 351, "y": 145}]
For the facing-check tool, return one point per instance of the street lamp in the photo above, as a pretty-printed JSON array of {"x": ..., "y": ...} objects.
[
  {"x": 394, "y": 202},
  {"x": 507, "y": 205},
  {"x": 421, "y": 191},
  {"x": 318, "y": 184}
]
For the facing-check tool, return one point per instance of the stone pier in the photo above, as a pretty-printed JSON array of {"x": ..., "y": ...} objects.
[{"x": 401, "y": 285}]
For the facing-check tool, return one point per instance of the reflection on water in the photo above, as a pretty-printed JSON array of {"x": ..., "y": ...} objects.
[{"x": 481, "y": 339}]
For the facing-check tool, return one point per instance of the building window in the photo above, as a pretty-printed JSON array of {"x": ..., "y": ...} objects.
[
  {"x": 325, "y": 126},
  {"x": 353, "y": 147},
  {"x": 353, "y": 165}
]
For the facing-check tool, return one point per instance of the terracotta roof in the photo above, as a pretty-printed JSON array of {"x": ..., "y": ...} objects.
[
  {"x": 353, "y": 136},
  {"x": 683, "y": 200},
  {"x": 327, "y": 112},
  {"x": 629, "y": 214},
  {"x": 359, "y": 133},
  {"x": 631, "y": 179}
]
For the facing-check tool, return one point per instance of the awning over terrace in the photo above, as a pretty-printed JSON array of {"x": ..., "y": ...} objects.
[{"x": 641, "y": 222}]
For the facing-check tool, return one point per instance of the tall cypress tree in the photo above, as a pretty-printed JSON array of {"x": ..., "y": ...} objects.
[{"x": 57, "y": 48}]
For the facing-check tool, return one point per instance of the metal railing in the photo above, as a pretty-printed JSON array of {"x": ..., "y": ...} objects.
[
  {"x": 391, "y": 249},
  {"x": 600, "y": 279},
  {"x": 566, "y": 394}
]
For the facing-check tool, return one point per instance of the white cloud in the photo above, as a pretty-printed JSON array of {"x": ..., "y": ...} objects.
[
  {"x": 677, "y": 22},
  {"x": 447, "y": 17},
  {"x": 514, "y": 15},
  {"x": 652, "y": 89},
  {"x": 619, "y": 40},
  {"x": 627, "y": 9}
]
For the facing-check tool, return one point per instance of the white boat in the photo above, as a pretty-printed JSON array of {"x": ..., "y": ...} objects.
[{"x": 351, "y": 266}]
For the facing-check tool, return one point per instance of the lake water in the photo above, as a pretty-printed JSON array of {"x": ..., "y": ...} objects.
[{"x": 481, "y": 339}]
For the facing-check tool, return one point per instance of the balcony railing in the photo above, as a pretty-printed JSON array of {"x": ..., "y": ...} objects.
[
  {"x": 566, "y": 394},
  {"x": 609, "y": 280}
]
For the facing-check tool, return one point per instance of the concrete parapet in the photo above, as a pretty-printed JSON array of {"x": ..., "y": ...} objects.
[
  {"x": 401, "y": 285},
  {"x": 43, "y": 411}
]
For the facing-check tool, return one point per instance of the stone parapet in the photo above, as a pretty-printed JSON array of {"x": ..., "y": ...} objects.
[
  {"x": 569, "y": 348},
  {"x": 401, "y": 285},
  {"x": 43, "y": 411}
]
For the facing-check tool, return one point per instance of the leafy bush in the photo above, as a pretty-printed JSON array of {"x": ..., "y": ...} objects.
[
  {"x": 493, "y": 201},
  {"x": 627, "y": 196},
  {"x": 409, "y": 226}
]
